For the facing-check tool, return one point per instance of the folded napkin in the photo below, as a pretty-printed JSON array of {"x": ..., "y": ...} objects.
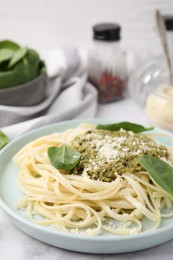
[{"x": 69, "y": 95}]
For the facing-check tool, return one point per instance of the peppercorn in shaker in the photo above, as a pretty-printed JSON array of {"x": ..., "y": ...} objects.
[{"x": 106, "y": 63}]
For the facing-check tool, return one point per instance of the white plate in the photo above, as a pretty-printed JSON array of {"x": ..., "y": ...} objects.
[{"x": 103, "y": 244}]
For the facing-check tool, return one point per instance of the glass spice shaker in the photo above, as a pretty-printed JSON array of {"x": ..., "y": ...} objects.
[{"x": 107, "y": 63}]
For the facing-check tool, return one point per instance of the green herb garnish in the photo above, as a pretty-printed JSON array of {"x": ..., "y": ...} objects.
[
  {"x": 160, "y": 171},
  {"x": 124, "y": 125},
  {"x": 63, "y": 157},
  {"x": 18, "y": 65},
  {"x": 3, "y": 140}
]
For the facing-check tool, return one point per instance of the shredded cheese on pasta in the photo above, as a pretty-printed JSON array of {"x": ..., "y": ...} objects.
[{"x": 78, "y": 204}]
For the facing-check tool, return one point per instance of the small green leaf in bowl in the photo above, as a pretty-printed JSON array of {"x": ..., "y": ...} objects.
[
  {"x": 63, "y": 157},
  {"x": 9, "y": 45},
  {"x": 5, "y": 54},
  {"x": 18, "y": 65},
  {"x": 17, "y": 56}
]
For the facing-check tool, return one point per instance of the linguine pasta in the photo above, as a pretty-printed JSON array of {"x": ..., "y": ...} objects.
[{"x": 79, "y": 204}]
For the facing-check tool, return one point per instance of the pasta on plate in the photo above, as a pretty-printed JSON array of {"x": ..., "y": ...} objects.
[{"x": 107, "y": 191}]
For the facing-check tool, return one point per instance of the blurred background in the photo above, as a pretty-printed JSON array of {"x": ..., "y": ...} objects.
[
  {"x": 62, "y": 34},
  {"x": 44, "y": 24}
]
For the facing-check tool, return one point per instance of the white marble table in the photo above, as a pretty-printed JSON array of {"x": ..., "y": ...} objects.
[{"x": 14, "y": 244}]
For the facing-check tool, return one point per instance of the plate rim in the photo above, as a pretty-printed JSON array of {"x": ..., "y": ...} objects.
[{"x": 11, "y": 213}]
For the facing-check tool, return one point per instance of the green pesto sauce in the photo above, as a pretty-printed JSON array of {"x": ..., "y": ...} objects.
[{"x": 104, "y": 154}]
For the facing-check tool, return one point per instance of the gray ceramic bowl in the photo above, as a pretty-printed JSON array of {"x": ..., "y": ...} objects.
[{"x": 27, "y": 94}]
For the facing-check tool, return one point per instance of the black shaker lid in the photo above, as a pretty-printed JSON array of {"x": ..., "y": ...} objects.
[
  {"x": 168, "y": 22},
  {"x": 106, "y": 32}
]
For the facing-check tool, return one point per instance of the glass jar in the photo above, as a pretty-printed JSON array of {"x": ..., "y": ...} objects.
[
  {"x": 159, "y": 107},
  {"x": 107, "y": 63},
  {"x": 159, "y": 100},
  {"x": 146, "y": 78},
  {"x": 152, "y": 73}
]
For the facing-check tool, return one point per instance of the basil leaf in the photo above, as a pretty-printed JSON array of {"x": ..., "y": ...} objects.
[
  {"x": 63, "y": 157},
  {"x": 124, "y": 125},
  {"x": 17, "y": 56},
  {"x": 3, "y": 140},
  {"x": 159, "y": 170}
]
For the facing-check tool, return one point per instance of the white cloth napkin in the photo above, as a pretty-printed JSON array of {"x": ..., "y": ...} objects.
[{"x": 69, "y": 95}]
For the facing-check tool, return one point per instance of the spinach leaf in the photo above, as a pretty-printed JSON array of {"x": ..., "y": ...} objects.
[
  {"x": 17, "y": 56},
  {"x": 5, "y": 54},
  {"x": 18, "y": 65},
  {"x": 124, "y": 125},
  {"x": 63, "y": 157},
  {"x": 9, "y": 45},
  {"x": 159, "y": 170},
  {"x": 3, "y": 140},
  {"x": 21, "y": 73}
]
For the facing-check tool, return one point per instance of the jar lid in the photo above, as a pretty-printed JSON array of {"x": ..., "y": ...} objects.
[
  {"x": 168, "y": 22},
  {"x": 106, "y": 32}
]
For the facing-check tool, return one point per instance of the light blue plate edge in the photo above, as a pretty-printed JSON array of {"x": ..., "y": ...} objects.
[{"x": 164, "y": 233}]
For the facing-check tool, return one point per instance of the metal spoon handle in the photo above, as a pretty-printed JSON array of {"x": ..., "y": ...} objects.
[{"x": 162, "y": 33}]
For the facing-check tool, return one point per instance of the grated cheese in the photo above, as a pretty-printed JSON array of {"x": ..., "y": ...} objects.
[{"x": 106, "y": 154}]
